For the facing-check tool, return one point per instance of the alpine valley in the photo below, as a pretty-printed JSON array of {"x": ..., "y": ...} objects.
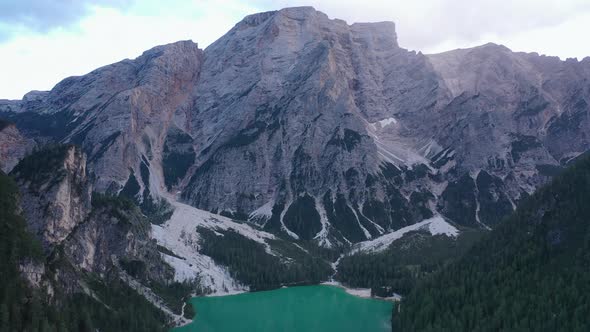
[{"x": 294, "y": 150}]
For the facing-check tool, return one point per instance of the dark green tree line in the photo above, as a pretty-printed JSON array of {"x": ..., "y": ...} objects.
[{"x": 531, "y": 273}]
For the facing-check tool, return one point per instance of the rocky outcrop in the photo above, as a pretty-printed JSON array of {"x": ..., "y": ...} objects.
[
  {"x": 13, "y": 146},
  {"x": 81, "y": 234},
  {"x": 305, "y": 123},
  {"x": 321, "y": 130},
  {"x": 116, "y": 234},
  {"x": 32, "y": 101},
  {"x": 55, "y": 193},
  {"x": 378, "y": 136},
  {"x": 119, "y": 114}
]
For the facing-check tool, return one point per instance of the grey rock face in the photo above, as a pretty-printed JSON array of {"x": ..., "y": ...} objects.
[
  {"x": 115, "y": 236},
  {"x": 13, "y": 146},
  {"x": 302, "y": 120},
  {"x": 97, "y": 237},
  {"x": 511, "y": 115},
  {"x": 7, "y": 105},
  {"x": 119, "y": 114},
  {"x": 57, "y": 199},
  {"x": 322, "y": 130},
  {"x": 33, "y": 273}
]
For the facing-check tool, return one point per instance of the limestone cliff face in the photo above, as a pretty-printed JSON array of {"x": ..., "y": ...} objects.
[
  {"x": 320, "y": 129},
  {"x": 299, "y": 114},
  {"x": 516, "y": 108},
  {"x": 80, "y": 233},
  {"x": 116, "y": 236},
  {"x": 13, "y": 146},
  {"x": 513, "y": 120},
  {"x": 55, "y": 194},
  {"x": 119, "y": 113}
]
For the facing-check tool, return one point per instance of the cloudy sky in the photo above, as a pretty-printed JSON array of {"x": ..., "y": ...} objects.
[{"x": 44, "y": 41}]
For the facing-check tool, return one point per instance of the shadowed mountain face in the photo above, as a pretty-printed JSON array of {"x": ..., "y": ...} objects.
[{"x": 319, "y": 129}]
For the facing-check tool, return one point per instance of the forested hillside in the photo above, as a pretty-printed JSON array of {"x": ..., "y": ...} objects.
[
  {"x": 406, "y": 261},
  {"x": 113, "y": 307},
  {"x": 531, "y": 273},
  {"x": 16, "y": 245},
  {"x": 249, "y": 262}
]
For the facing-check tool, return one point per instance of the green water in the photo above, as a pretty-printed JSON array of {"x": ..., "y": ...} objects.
[{"x": 294, "y": 309}]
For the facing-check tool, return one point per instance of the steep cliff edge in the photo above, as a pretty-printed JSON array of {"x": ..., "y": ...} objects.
[
  {"x": 55, "y": 193},
  {"x": 90, "y": 242},
  {"x": 45, "y": 292},
  {"x": 13, "y": 146},
  {"x": 319, "y": 130},
  {"x": 119, "y": 114},
  {"x": 291, "y": 131}
]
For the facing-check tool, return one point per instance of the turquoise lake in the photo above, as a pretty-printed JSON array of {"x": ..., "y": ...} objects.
[{"x": 295, "y": 309}]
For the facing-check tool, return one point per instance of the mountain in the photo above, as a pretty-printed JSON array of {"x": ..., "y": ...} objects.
[
  {"x": 345, "y": 135},
  {"x": 530, "y": 273},
  {"x": 61, "y": 252},
  {"x": 13, "y": 146},
  {"x": 292, "y": 141},
  {"x": 94, "y": 250}
]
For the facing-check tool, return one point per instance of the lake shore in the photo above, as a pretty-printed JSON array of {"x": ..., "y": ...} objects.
[
  {"x": 326, "y": 307},
  {"x": 362, "y": 292}
]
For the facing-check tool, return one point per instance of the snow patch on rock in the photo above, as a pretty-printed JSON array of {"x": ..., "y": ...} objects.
[
  {"x": 322, "y": 235},
  {"x": 179, "y": 235},
  {"x": 383, "y": 123},
  {"x": 263, "y": 213},
  {"x": 435, "y": 225}
]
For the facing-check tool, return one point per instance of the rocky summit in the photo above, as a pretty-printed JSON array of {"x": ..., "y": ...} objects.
[{"x": 315, "y": 129}]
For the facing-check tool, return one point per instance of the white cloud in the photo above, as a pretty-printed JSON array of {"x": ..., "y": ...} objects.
[
  {"x": 41, "y": 16},
  {"x": 33, "y": 61},
  {"x": 38, "y": 60},
  {"x": 437, "y": 25}
]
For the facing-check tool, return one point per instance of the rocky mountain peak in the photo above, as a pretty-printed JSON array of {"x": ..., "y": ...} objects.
[
  {"x": 345, "y": 135},
  {"x": 255, "y": 19},
  {"x": 302, "y": 13},
  {"x": 171, "y": 58},
  {"x": 307, "y": 24},
  {"x": 381, "y": 34},
  {"x": 33, "y": 101}
]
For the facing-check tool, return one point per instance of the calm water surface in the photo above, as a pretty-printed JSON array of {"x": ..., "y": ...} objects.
[{"x": 295, "y": 309}]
